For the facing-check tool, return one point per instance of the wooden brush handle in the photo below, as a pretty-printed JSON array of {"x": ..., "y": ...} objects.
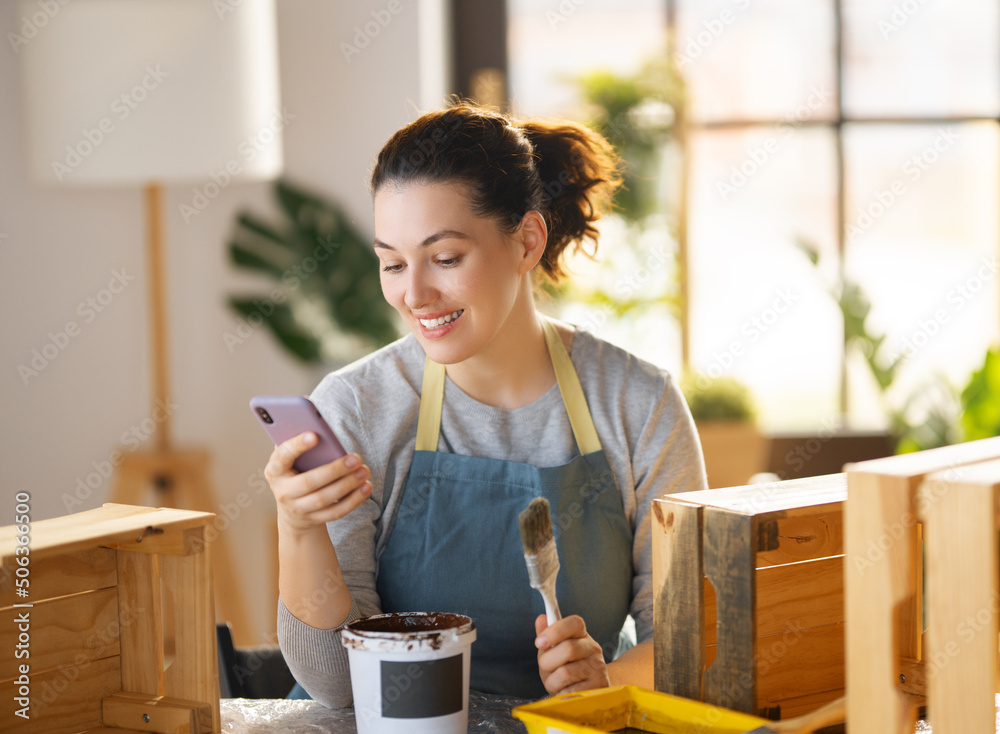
[
  {"x": 834, "y": 712},
  {"x": 552, "y": 613}
]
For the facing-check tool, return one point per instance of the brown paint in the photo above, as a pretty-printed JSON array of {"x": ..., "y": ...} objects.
[{"x": 410, "y": 622}]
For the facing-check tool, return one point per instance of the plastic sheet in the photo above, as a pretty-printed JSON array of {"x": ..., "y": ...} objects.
[
  {"x": 487, "y": 715},
  {"x": 925, "y": 727}
]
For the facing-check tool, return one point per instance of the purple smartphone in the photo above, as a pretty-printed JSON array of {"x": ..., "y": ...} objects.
[{"x": 286, "y": 416}]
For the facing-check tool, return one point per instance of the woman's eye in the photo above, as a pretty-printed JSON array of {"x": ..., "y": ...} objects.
[
  {"x": 449, "y": 262},
  {"x": 391, "y": 268}
]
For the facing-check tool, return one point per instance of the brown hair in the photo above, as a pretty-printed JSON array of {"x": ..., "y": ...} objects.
[{"x": 563, "y": 170}]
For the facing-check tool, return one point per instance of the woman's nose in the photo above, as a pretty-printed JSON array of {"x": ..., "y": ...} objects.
[{"x": 420, "y": 290}]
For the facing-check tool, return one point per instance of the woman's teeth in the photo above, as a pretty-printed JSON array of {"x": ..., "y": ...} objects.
[{"x": 435, "y": 323}]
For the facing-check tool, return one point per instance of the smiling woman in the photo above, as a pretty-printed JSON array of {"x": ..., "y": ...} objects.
[{"x": 485, "y": 406}]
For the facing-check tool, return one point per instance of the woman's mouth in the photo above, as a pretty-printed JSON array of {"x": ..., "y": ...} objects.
[{"x": 437, "y": 323}]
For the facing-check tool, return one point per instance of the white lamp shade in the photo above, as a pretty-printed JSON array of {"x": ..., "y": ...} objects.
[{"x": 143, "y": 91}]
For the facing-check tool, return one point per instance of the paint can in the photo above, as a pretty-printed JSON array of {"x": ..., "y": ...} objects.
[{"x": 410, "y": 672}]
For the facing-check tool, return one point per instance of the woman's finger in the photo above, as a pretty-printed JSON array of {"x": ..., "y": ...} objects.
[
  {"x": 343, "y": 507},
  {"x": 284, "y": 455}
]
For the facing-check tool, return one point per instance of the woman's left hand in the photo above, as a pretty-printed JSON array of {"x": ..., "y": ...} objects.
[{"x": 568, "y": 658}]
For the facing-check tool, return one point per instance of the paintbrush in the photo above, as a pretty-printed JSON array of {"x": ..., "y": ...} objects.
[
  {"x": 834, "y": 712},
  {"x": 540, "y": 553}
]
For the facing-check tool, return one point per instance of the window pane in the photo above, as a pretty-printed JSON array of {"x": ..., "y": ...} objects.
[
  {"x": 758, "y": 310},
  {"x": 757, "y": 60},
  {"x": 912, "y": 57},
  {"x": 554, "y": 41},
  {"x": 922, "y": 242}
]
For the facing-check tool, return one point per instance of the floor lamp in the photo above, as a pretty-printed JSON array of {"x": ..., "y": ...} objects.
[{"x": 148, "y": 93}]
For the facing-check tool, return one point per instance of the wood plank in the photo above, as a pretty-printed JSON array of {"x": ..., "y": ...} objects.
[
  {"x": 880, "y": 556},
  {"x": 141, "y": 623},
  {"x": 802, "y": 662},
  {"x": 194, "y": 673},
  {"x": 960, "y": 536},
  {"x": 921, "y": 463},
  {"x": 780, "y": 496},
  {"x": 799, "y": 663},
  {"x": 103, "y": 526},
  {"x": 65, "y": 700},
  {"x": 801, "y": 534},
  {"x": 801, "y": 705},
  {"x": 157, "y": 714},
  {"x": 913, "y": 676},
  {"x": 795, "y": 596},
  {"x": 177, "y": 542},
  {"x": 67, "y": 630},
  {"x": 729, "y": 551},
  {"x": 60, "y": 575},
  {"x": 678, "y": 605}
]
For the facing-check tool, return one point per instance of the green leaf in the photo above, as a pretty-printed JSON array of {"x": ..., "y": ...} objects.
[
  {"x": 256, "y": 227},
  {"x": 282, "y": 324},
  {"x": 251, "y": 260},
  {"x": 981, "y": 400}
]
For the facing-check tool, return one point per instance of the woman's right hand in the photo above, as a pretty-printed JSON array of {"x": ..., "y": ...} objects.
[{"x": 315, "y": 497}]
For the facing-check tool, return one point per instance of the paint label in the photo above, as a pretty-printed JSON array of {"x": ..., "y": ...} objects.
[{"x": 421, "y": 690}]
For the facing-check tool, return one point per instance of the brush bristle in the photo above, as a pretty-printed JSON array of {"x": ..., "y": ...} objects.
[{"x": 536, "y": 525}]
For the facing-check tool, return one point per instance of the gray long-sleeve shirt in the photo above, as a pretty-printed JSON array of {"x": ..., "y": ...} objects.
[{"x": 641, "y": 418}]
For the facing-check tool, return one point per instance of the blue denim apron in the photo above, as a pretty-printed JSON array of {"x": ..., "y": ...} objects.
[{"x": 455, "y": 544}]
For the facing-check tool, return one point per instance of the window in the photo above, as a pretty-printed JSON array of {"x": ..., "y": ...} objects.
[{"x": 867, "y": 129}]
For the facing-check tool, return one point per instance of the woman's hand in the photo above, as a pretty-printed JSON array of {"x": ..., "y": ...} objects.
[
  {"x": 568, "y": 658},
  {"x": 315, "y": 497}
]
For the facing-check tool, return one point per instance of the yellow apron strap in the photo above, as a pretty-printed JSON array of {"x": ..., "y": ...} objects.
[
  {"x": 572, "y": 393},
  {"x": 431, "y": 400}
]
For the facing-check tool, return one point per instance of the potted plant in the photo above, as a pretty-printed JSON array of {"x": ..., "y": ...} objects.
[
  {"x": 326, "y": 306},
  {"x": 725, "y": 415}
]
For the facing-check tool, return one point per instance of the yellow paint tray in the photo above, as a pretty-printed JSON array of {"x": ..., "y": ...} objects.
[{"x": 630, "y": 709}]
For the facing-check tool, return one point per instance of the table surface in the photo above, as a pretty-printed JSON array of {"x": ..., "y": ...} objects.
[{"x": 488, "y": 714}]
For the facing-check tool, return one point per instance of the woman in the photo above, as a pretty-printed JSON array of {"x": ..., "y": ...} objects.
[{"x": 462, "y": 423}]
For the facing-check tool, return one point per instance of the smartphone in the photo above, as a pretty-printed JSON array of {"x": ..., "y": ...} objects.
[{"x": 286, "y": 416}]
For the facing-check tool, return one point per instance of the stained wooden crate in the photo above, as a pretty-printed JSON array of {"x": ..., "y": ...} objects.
[
  {"x": 942, "y": 503},
  {"x": 749, "y": 596},
  {"x": 119, "y": 620}
]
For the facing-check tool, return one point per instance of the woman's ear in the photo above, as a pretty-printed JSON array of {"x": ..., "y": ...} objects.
[{"x": 532, "y": 234}]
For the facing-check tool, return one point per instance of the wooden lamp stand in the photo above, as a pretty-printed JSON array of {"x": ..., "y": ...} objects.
[{"x": 177, "y": 478}]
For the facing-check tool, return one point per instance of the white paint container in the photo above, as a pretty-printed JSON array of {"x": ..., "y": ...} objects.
[{"x": 410, "y": 672}]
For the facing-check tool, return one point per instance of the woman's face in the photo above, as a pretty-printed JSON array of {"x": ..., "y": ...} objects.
[{"x": 452, "y": 275}]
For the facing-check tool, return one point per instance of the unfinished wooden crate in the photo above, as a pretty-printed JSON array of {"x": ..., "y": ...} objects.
[
  {"x": 748, "y": 595},
  {"x": 120, "y": 624},
  {"x": 952, "y": 493}
]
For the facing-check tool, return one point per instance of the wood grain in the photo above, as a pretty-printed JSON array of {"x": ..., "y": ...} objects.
[
  {"x": 678, "y": 605},
  {"x": 141, "y": 625},
  {"x": 194, "y": 673},
  {"x": 112, "y": 523},
  {"x": 796, "y": 596},
  {"x": 65, "y": 701},
  {"x": 69, "y": 630},
  {"x": 729, "y": 552},
  {"x": 764, "y": 498},
  {"x": 165, "y": 715},
  {"x": 801, "y": 534},
  {"x": 960, "y": 532},
  {"x": 880, "y": 538},
  {"x": 85, "y": 570}
]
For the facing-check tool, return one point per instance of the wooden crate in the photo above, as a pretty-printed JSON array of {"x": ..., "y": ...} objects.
[
  {"x": 118, "y": 624},
  {"x": 748, "y": 595},
  {"x": 946, "y": 498}
]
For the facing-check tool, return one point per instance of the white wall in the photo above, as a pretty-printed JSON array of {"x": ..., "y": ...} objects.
[{"x": 60, "y": 246}]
